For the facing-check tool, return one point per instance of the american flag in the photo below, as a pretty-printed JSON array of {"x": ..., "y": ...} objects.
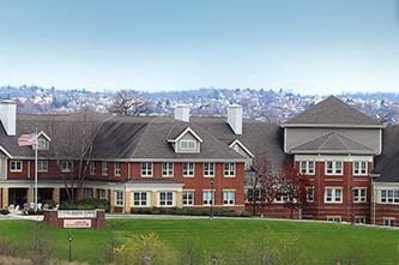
[{"x": 27, "y": 140}]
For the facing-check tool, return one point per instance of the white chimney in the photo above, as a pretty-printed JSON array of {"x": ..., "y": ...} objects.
[
  {"x": 234, "y": 118},
  {"x": 182, "y": 112},
  {"x": 8, "y": 113}
]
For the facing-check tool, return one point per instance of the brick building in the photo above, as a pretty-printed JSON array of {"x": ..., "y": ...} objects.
[{"x": 182, "y": 161}]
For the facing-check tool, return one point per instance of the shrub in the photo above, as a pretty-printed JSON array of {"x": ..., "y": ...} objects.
[
  {"x": 86, "y": 204},
  {"x": 191, "y": 211},
  {"x": 4, "y": 211}
]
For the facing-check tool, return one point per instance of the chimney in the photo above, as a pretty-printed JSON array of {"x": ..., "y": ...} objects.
[
  {"x": 8, "y": 112},
  {"x": 234, "y": 118},
  {"x": 182, "y": 113}
]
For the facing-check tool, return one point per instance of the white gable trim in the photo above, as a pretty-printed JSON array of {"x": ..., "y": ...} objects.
[
  {"x": 2, "y": 149},
  {"x": 41, "y": 133},
  {"x": 187, "y": 130},
  {"x": 237, "y": 142}
]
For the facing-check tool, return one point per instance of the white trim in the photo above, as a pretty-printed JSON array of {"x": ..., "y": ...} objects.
[
  {"x": 236, "y": 141},
  {"x": 42, "y": 133},
  {"x": 330, "y": 125},
  {"x": 360, "y": 174},
  {"x": 344, "y": 158},
  {"x": 220, "y": 160},
  {"x": 187, "y": 130},
  {"x": 2, "y": 149},
  {"x": 334, "y": 188},
  {"x": 334, "y": 168}
]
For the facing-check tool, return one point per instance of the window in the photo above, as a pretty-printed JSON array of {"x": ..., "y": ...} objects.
[
  {"x": 146, "y": 169},
  {"x": 187, "y": 145},
  {"x": 280, "y": 199},
  {"x": 230, "y": 169},
  {"x": 359, "y": 195},
  {"x": 389, "y": 221},
  {"x": 140, "y": 199},
  {"x": 188, "y": 198},
  {"x": 166, "y": 199},
  {"x": 229, "y": 197},
  {"x": 389, "y": 196},
  {"x": 43, "y": 144},
  {"x": 42, "y": 165},
  {"x": 102, "y": 194},
  {"x": 209, "y": 169},
  {"x": 307, "y": 167},
  {"x": 334, "y": 167},
  {"x": 360, "y": 220},
  {"x": 118, "y": 198},
  {"x": 87, "y": 193},
  {"x": 167, "y": 169},
  {"x": 333, "y": 195},
  {"x": 104, "y": 168},
  {"x": 334, "y": 219},
  {"x": 16, "y": 166},
  {"x": 207, "y": 198},
  {"x": 188, "y": 169},
  {"x": 66, "y": 166},
  {"x": 92, "y": 168},
  {"x": 360, "y": 168},
  {"x": 117, "y": 169},
  {"x": 251, "y": 195},
  {"x": 310, "y": 194}
]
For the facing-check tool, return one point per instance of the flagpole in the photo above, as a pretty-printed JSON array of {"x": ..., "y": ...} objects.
[{"x": 36, "y": 155}]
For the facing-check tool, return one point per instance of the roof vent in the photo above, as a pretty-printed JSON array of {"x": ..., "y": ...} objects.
[
  {"x": 182, "y": 113},
  {"x": 234, "y": 118},
  {"x": 8, "y": 113}
]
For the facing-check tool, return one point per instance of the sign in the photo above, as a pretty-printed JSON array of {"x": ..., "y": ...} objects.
[{"x": 77, "y": 223}]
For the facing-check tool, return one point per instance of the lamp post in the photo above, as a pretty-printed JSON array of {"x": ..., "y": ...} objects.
[
  {"x": 70, "y": 239},
  {"x": 212, "y": 198}
]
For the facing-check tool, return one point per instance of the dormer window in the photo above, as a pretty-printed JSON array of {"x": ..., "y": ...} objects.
[
  {"x": 187, "y": 145},
  {"x": 43, "y": 143}
]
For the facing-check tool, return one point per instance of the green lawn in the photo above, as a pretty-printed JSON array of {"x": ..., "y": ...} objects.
[{"x": 321, "y": 242}]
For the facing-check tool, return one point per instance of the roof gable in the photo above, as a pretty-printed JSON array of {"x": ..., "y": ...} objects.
[
  {"x": 182, "y": 134},
  {"x": 332, "y": 112}
]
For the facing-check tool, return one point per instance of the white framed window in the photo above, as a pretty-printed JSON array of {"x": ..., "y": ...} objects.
[
  {"x": 187, "y": 145},
  {"x": 117, "y": 169},
  {"x": 146, "y": 169},
  {"x": 167, "y": 169},
  {"x": 280, "y": 199},
  {"x": 389, "y": 221},
  {"x": 251, "y": 194},
  {"x": 102, "y": 194},
  {"x": 104, "y": 168},
  {"x": 188, "y": 198},
  {"x": 389, "y": 196},
  {"x": 333, "y": 195},
  {"x": 307, "y": 167},
  {"x": 310, "y": 194},
  {"x": 188, "y": 169},
  {"x": 66, "y": 166},
  {"x": 92, "y": 168},
  {"x": 119, "y": 202},
  {"x": 42, "y": 165},
  {"x": 207, "y": 198},
  {"x": 334, "y": 168},
  {"x": 334, "y": 219},
  {"x": 360, "y": 168},
  {"x": 140, "y": 199},
  {"x": 209, "y": 169},
  {"x": 360, "y": 219},
  {"x": 87, "y": 193},
  {"x": 359, "y": 195},
  {"x": 229, "y": 198},
  {"x": 230, "y": 169},
  {"x": 16, "y": 166},
  {"x": 43, "y": 144},
  {"x": 166, "y": 199}
]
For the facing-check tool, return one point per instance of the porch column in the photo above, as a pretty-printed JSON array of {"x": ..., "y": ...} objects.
[
  {"x": 31, "y": 194},
  {"x": 128, "y": 201},
  {"x": 179, "y": 199},
  {"x": 154, "y": 199},
  {"x": 111, "y": 200},
  {"x": 56, "y": 195},
  {"x": 4, "y": 198}
]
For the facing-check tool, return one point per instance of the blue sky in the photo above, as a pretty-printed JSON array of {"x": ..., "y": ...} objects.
[{"x": 307, "y": 46}]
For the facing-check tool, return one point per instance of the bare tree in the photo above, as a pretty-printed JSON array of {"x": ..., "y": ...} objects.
[{"x": 126, "y": 103}]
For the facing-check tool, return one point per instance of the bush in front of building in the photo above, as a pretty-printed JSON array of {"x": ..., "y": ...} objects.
[
  {"x": 86, "y": 204},
  {"x": 4, "y": 211},
  {"x": 191, "y": 211}
]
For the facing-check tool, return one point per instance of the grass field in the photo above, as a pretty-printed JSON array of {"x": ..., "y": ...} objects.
[{"x": 321, "y": 242}]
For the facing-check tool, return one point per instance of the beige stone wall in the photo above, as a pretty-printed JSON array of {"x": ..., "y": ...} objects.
[
  {"x": 31, "y": 195},
  {"x": 4, "y": 198},
  {"x": 154, "y": 199},
  {"x": 56, "y": 195},
  {"x": 128, "y": 201},
  {"x": 179, "y": 199}
]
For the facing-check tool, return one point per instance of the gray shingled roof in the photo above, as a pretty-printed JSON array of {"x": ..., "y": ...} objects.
[
  {"x": 387, "y": 164},
  {"x": 332, "y": 142},
  {"x": 332, "y": 111},
  {"x": 142, "y": 137}
]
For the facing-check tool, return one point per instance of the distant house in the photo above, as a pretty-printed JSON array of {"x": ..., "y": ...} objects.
[{"x": 351, "y": 160}]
